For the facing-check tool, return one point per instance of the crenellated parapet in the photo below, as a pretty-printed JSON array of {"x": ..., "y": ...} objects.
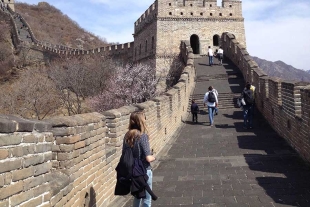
[
  {"x": 284, "y": 104},
  {"x": 201, "y": 9},
  {"x": 147, "y": 18},
  {"x": 70, "y": 161}
]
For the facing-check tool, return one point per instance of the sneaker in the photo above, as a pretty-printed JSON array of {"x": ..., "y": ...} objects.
[
  {"x": 245, "y": 127},
  {"x": 251, "y": 127}
]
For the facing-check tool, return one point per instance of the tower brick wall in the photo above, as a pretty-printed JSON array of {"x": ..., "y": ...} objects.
[{"x": 9, "y": 3}]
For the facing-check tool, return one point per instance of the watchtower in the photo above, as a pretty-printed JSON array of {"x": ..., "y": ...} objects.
[
  {"x": 9, "y": 3},
  {"x": 160, "y": 30}
]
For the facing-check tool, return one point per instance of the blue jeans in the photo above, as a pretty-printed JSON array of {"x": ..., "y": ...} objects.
[
  {"x": 210, "y": 60},
  {"x": 248, "y": 116},
  {"x": 211, "y": 114},
  {"x": 148, "y": 200},
  {"x": 216, "y": 110}
]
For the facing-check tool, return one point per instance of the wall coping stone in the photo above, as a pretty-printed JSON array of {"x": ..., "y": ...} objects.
[
  {"x": 248, "y": 58},
  {"x": 275, "y": 79},
  {"x": 231, "y": 36},
  {"x": 10, "y": 124},
  {"x": 160, "y": 99},
  {"x": 191, "y": 55},
  {"x": 172, "y": 92},
  {"x": 260, "y": 72},
  {"x": 112, "y": 114},
  {"x": 76, "y": 120},
  {"x": 145, "y": 105},
  {"x": 179, "y": 85},
  {"x": 306, "y": 90},
  {"x": 243, "y": 51}
]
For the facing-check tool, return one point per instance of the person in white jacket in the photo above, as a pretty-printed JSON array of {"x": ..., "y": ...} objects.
[{"x": 211, "y": 100}]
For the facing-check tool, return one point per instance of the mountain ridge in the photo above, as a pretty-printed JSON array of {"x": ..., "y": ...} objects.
[{"x": 282, "y": 70}]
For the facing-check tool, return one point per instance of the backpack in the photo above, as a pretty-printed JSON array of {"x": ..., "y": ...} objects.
[
  {"x": 248, "y": 97},
  {"x": 124, "y": 169},
  {"x": 211, "y": 97}
]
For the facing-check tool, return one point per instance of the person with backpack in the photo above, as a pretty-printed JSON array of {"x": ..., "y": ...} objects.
[
  {"x": 248, "y": 97},
  {"x": 137, "y": 139},
  {"x": 211, "y": 100}
]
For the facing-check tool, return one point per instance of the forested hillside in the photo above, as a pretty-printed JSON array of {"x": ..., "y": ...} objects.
[{"x": 50, "y": 24}]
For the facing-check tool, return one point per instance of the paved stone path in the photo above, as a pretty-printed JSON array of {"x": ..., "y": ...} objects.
[{"x": 227, "y": 165}]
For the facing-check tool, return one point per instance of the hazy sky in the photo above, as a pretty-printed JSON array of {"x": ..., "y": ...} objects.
[{"x": 275, "y": 29}]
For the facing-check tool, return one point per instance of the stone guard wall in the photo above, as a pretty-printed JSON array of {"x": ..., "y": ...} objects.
[
  {"x": 284, "y": 104},
  {"x": 70, "y": 161}
]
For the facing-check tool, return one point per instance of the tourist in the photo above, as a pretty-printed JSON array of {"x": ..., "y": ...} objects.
[
  {"x": 220, "y": 54},
  {"x": 137, "y": 138},
  {"x": 210, "y": 54},
  {"x": 248, "y": 97},
  {"x": 194, "y": 111},
  {"x": 211, "y": 100}
]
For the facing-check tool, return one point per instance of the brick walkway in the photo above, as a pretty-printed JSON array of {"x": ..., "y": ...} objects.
[{"x": 227, "y": 165}]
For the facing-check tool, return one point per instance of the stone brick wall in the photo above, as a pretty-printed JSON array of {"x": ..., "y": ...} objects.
[
  {"x": 25, "y": 162},
  {"x": 284, "y": 104},
  {"x": 70, "y": 161}
]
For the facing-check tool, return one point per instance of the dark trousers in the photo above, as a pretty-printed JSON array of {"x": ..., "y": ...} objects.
[
  {"x": 248, "y": 116},
  {"x": 195, "y": 117}
]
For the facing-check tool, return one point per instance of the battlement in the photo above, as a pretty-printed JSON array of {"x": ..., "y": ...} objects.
[
  {"x": 284, "y": 104},
  {"x": 146, "y": 18},
  {"x": 200, "y": 9}
]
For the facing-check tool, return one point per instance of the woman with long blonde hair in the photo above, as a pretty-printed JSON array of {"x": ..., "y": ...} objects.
[{"x": 138, "y": 140}]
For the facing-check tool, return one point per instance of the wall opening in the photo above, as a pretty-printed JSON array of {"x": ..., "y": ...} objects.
[
  {"x": 194, "y": 40},
  {"x": 216, "y": 40}
]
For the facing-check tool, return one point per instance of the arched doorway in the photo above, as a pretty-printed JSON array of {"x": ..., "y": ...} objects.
[
  {"x": 195, "y": 44},
  {"x": 216, "y": 40}
]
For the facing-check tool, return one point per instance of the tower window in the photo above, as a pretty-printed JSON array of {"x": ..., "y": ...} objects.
[
  {"x": 191, "y": 4},
  {"x": 220, "y": 14},
  {"x": 230, "y": 6},
  {"x": 181, "y": 13},
  {"x": 211, "y": 14},
  {"x": 140, "y": 49},
  {"x": 230, "y": 14},
  {"x": 201, "y": 14},
  {"x": 153, "y": 42},
  {"x": 170, "y": 13},
  {"x": 169, "y": 4},
  {"x": 192, "y": 13},
  {"x": 210, "y": 5},
  {"x": 145, "y": 45}
]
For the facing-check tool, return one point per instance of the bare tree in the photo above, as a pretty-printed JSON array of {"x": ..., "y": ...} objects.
[
  {"x": 32, "y": 96},
  {"x": 128, "y": 85},
  {"x": 78, "y": 79}
]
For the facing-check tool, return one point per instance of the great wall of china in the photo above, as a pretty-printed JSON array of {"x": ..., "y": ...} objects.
[{"x": 70, "y": 161}]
